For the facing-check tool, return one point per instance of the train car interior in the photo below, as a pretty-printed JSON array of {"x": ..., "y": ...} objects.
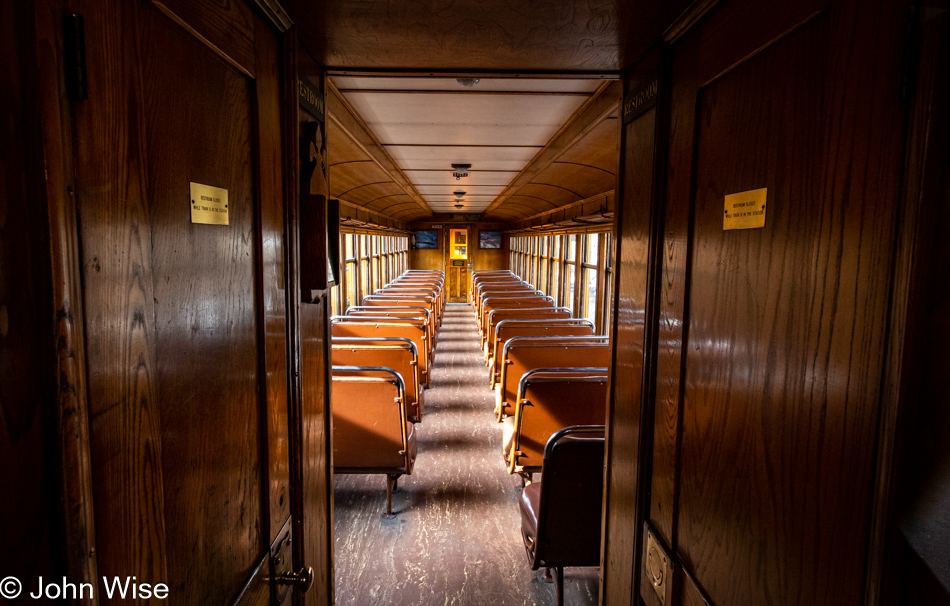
[{"x": 470, "y": 303}]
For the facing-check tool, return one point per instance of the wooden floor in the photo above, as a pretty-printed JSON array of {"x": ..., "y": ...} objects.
[{"x": 456, "y": 537}]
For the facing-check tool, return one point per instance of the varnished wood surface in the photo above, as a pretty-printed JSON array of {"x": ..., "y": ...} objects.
[
  {"x": 915, "y": 467},
  {"x": 778, "y": 332},
  {"x": 186, "y": 337},
  {"x": 606, "y": 35},
  {"x": 78, "y": 517},
  {"x": 119, "y": 303},
  {"x": 456, "y": 537},
  {"x": 30, "y": 470},
  {"x": 635, "y": 224}
]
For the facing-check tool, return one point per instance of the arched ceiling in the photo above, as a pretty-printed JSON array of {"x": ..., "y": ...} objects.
[{"x": 534, "y": 144}]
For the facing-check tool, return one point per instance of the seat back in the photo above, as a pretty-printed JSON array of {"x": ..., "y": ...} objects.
[
  {"x": 532, "y": 327},
  {"x": 571, "y": 501},
  {"x": 369, "y": 424},
  {"x": 413, "y": 329},
  {"x": 390, "y": 300},
  {"x": 397, "y": 353},
  {"x": 523, "y": 354},
  {"x": 497, "y": 302},
  {"x": 505, "y": 313},
  {"x": 550, "y": 399},
  {"x": 397, "y": 311}
]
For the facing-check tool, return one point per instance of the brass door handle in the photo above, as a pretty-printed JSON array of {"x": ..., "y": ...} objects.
[{"x": 303, "y": 579}]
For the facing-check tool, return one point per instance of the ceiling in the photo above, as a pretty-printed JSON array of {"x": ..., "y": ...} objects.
[
  {"x": 497, "y": 125},
  {"x": 557, "y": 36},
  {"x": 540, "y": 129}
]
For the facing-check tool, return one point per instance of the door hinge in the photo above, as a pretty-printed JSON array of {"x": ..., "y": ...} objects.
[{"x": 74, "y": 56}]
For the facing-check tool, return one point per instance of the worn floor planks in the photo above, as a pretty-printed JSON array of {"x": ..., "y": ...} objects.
[{"x": 456, "y": 537}]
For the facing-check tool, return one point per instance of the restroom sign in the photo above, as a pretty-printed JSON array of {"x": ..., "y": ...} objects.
[{"x": 745, "y": 210}]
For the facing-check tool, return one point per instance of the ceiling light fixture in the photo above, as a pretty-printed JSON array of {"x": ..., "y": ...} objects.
[
  {"x": 458, "y": 205},
  {"x": 460, "y": 170},
  {"x": 469, "y": 82},
  {"x": 459, "y": 194}
]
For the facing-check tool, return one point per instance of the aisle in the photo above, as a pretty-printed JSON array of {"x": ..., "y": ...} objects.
[{"x": 456, "y": 537}]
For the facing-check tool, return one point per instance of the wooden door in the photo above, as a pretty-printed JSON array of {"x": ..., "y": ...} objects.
[
  {"x": 186, "y": 321},
  {"x": 771, "y": 340},
  {"x": 458, "y": 254}
]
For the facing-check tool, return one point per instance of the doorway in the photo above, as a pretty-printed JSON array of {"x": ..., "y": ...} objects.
[{"x": 457, "y": 264}]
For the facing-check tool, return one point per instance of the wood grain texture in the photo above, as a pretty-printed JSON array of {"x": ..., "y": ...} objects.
[
  {"x": 310, "y": 416},
  {"x": 317, "y": 481},
  {"x": 687, "y": 77},
  {"x": 186, "y": 322},
  {"x": 606, "y": 35},
  {"x": 78, "y": 516},
  {"x": 786, "y": 324},
  {"x": 913, "y": 479},
  {"x": 118, "y": 297},
  {"x": 272, "y": 275},
  {"x": 629, "y": 378},
  {"x": 227, "y": 27},
  {"x": 206, "y": 292},
  {"x": 30, "y": 514}
]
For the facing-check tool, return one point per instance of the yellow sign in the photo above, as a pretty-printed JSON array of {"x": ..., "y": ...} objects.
[
  {"x": 209, "y": 204},
  {"x": 745, "y": 210}
]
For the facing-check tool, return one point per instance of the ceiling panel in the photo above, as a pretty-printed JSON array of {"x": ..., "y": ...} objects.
[
  {"x": 436, "y": 156},
  {"x": 464, "y": 118},
  {"x": 433, "y": 191},
  {"x": 444, "y": 177},
  {"x": 523, "y": 84}
]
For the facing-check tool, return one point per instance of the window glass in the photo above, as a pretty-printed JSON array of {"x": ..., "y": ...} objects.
[
  {"x": 572, "y": 247},
  {"x": 569, "y": 272},
  {"x": 592, "y": 241},
  {"x": 350, "y": 277},
  {"x": 543, "y": 277},
  {"x": 590, "y": 308},
  {"x": 555, "y": 283}
]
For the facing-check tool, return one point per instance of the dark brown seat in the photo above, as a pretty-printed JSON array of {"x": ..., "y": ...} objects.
[
  {"x": 561, "y": 513},
  {"x": 397, "y": 353},
  {"x": 550, "y": 399},
  {"x": 370, "y": 430}
]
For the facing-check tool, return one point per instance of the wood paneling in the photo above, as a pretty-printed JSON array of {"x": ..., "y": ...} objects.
[
  {"x": 29, "y": 510},
  {"x": 630, "y": 377},
  {"x": 313, "y": 515},
  {"x": 187, "y": 340},
  {"x": 771, "y": 341},
  {"x": 494, "y": 35},
  {"x": 915, "y": 472}
]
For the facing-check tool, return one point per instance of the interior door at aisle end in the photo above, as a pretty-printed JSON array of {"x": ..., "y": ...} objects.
[
  {"x": 458, "y": 259},
  {"x": 179, "y": 174}
]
